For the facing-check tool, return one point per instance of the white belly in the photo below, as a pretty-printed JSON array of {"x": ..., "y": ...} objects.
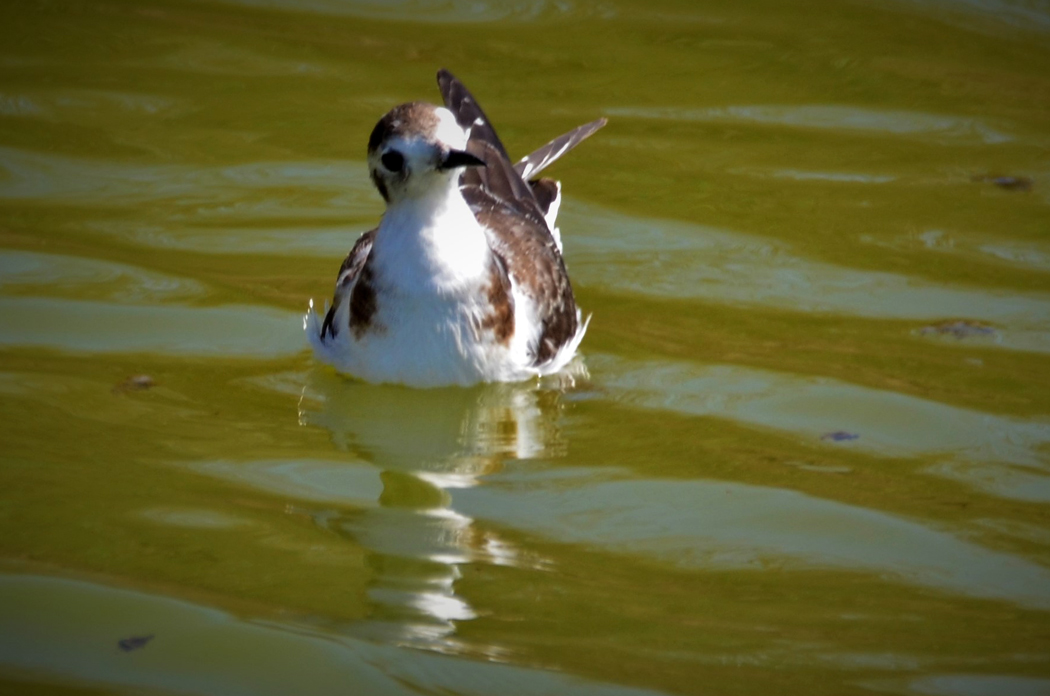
[
  {"x": 421, "y": 344},
  {"x": 431, "y": 275}
]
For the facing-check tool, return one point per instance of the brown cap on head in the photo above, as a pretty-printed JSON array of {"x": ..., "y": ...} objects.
[{"x": 417, "y": 119}]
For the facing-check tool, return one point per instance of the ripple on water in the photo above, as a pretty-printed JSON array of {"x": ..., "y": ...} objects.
[
  {"x": 19, "y": 105},
  {"x": 121, "y": 308},
  {"x": 442, "y": 11},
  {"x": 1000, "y": 455},
  {"x": 241, "y": 331},
  {"x": 979, "y": 685},
  {"x": 214, "y": 58},
  {"x": 986, "y": 15},
  {"x": 839, "y": 177},
  {"x": 1028, "y": 255},
  {"x": 940, "y": 128},
  {"x": 715, "y": 524},
  {"x": 207, "y": 194},
  {"x": 83, "y": 278},
  {"x": 76, "y": 104},
  {"x": 1023, "y": 255},
  {"x": 194, "y": 518},
  {"x": 346, "y": 483},
  {"x": 233, "y": 209},
  {"x": 330, "y": 242},
  {"x": 42, "y": 635},
  {"x": 91, "y": 400},
  {"x": 680, "y": 260}
]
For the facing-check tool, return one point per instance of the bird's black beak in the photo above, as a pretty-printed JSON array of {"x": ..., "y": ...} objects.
[{"x": 460, "y": 158}]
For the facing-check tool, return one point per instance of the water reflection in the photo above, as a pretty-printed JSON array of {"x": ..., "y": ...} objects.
[{"x": 417, "y": 446}]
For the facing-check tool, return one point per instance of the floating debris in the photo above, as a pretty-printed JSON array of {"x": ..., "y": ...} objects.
[
  {"x": 1009, "y": 183},
  {"x": 960, "y": 329},
  {"x": 839, "y": 436},
  {"x": 134, "y": 642},
  {"x": 134, "y": 383}
]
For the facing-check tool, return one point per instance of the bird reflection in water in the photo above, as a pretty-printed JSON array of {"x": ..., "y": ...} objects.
[{"x": 425, "y": 443}]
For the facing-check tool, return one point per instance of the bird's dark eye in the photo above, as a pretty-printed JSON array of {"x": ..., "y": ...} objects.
[{"x": 393, "y": 160}]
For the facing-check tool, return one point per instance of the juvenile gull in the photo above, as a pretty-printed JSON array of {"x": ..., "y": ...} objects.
[{"x": 463, "y": 280}]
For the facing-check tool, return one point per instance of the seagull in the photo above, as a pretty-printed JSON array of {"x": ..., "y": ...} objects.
[{"x": 463, "y": 281}]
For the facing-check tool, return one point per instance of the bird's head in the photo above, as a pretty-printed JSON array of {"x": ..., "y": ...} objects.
[{"x": 416, "y": 149}]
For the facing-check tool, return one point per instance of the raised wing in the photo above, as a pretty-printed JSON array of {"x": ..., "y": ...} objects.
[
  {"x": 499, "y": 182},
  {"x": 497, "y": 178},
  {"x": 535, "y": 162},
  {"x": 467, "y": 111}
]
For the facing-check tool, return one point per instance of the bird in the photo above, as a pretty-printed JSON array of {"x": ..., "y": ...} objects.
[{"x": 463, "y": 280}]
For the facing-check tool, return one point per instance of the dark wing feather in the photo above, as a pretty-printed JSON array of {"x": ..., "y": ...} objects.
[
  {"x": 533, "y": 163},
  {"x": 348, "y": 274},
  {"x": 533, "y": 261},
  {"x": 467, "y": 111},
  {"x": 546, "y": 192},
  {"x": 498, "y": 177}
]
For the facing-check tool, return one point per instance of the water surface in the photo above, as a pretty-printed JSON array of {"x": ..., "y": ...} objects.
[{"x": 807, "y": 449}]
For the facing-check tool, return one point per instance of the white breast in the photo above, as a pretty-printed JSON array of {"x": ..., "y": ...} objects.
[
  {"x": 431, "y": 271},
  {"x": 431, "y": 246}
]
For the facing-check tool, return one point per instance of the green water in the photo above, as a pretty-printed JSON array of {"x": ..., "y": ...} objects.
[{"x": 812, "y": 454}]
